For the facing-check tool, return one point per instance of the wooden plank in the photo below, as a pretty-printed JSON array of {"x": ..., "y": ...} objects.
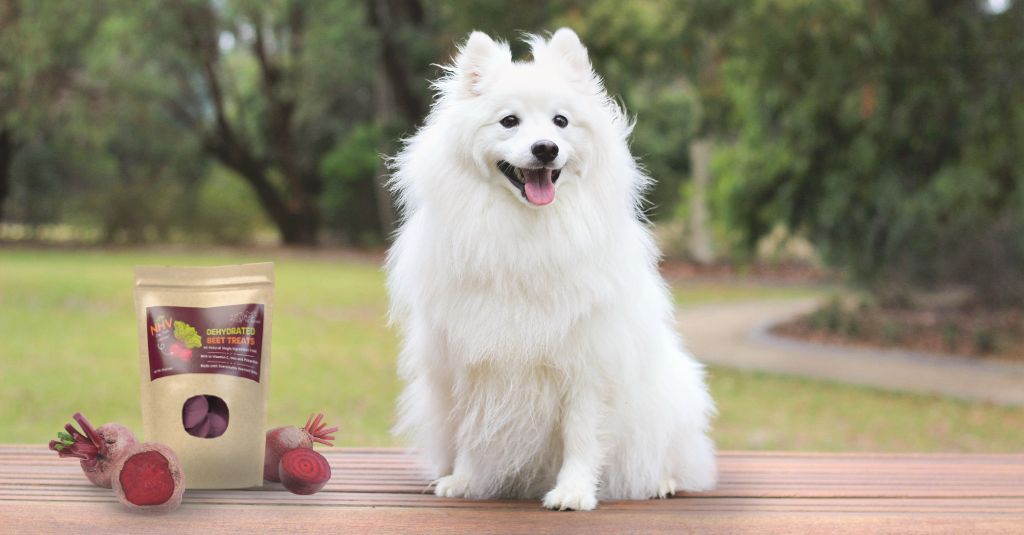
[
  {"x": 742, "y": 474},
  {"x": 381, "y": 490},
  {"x": 209, "y": 519}
]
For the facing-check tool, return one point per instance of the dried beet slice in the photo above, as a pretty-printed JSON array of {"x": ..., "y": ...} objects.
[
  {"x": 194, "y": 410},
  {"x": 202, "y": 430},
  {"x": 218, "y": 424},
  {"x": 205, "y": 416}
]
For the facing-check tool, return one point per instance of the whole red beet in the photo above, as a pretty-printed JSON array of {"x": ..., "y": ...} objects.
[
  {"x": 282, "y": 439},
  {"x": 99, "y": 448},
  {"x": 148, "y": 478}
]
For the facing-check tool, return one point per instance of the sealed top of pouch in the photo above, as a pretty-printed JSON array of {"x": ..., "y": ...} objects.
[
  {"x": 204, "y": 276},
  {"x": 204, "y": 362}
]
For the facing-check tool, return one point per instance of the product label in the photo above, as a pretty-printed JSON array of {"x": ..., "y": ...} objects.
[{"x": 227, "y": 340}]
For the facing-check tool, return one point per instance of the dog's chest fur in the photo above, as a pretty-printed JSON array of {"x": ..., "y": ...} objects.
[{"x": 514, "y": 301}]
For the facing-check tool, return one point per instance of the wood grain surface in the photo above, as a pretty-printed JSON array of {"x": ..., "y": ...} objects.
[{"x": 381, "y": 491}]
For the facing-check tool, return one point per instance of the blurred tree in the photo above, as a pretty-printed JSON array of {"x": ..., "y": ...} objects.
[
  {"x": 663, "y": 58},
  {"x": 40, "y": 62},
  {"x": 268, "y": 90},
  {"x": 891, "y": 133},
  {"x": 247, "y": 79},
  {"x": 398, "y": 101}
]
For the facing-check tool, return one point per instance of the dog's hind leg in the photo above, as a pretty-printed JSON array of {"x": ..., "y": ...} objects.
[
  {"x": 425, "y": 406},
  {"x": 697, "y": 470},
  {"x": 694, "y": 466}
]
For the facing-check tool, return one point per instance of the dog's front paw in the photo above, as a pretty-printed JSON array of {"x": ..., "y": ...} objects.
[
  {"x": 453, "y": 486},
  {"x": 570, "y": 495},
  {"x": 667, "y": 488}
]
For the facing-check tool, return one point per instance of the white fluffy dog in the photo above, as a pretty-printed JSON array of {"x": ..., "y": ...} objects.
[{"x": 539, "y": 351}]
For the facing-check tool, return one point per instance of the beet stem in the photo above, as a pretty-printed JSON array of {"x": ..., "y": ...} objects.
[
  {"x": 311, "y": 429},
  {"x": 75, "y": 434},
  {"x": 75, "y": 444},
  {"x": 101, "y": 446},
  {"x": 80, "y": 449},
  {"x": 67, "y": 451}
]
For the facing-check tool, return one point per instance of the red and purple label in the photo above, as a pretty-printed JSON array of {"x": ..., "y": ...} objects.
[{"x": 226, "y": 340}]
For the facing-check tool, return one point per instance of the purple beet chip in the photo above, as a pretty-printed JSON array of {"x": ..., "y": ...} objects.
[
  {"x": 194, "y": 410},
  {"x": 218, "y": 424},
  {"x": 202, "y": 430},
  {"x": 217, "y": 406}
]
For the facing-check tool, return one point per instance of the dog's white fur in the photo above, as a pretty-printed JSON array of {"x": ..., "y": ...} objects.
[{"x": 539, "y": 346}]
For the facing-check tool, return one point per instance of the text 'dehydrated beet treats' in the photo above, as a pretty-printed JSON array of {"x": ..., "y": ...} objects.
[{"x": 204, "y": 355}]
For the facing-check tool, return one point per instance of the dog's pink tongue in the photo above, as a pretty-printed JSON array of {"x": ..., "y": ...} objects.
[{"x": 540, "y": 190}]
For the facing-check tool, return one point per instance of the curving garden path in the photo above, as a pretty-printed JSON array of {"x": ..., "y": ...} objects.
[{"x": 736, "y": 335}]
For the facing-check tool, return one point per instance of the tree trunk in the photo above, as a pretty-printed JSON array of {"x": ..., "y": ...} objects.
[
  {"x": 394, "y": 95},
  {"x": 292, "y": 206},
  {"x": 7, "y": 151},
  {"x": 298, "y": 222},
  {"x": 388, "y": 17},
  {"x": 299, "y": 229},
  {"x": 700, "y": 235}
]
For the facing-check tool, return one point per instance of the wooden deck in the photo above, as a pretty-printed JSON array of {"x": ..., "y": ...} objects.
[{"x": 379, "y": 491}]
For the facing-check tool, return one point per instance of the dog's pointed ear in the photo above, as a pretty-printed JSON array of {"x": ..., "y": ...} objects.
[
  {"x": 477, "y": 59},
  {"x": 565, "y": 46}
]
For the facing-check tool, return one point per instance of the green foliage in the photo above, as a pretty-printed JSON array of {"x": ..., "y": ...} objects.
[
  {"x": 667, "y": 120},
  {"x": 221, "y": 209},
  {"x": 646, "y": 58},
  {"x": 889, "y": 133},
  {"x": 349, "y": 170},
  {"x": 187, "y": 335}
]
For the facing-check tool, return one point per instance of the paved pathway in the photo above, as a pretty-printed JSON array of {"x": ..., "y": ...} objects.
[{"x": 735, "y": 335}]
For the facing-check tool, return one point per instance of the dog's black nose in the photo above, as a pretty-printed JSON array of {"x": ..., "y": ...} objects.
[{"x": 545, "y": 151}]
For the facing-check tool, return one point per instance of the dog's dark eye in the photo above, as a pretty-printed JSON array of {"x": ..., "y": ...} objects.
[
  {"x": 560, "y": 121},
  {"x": 509, "y": 121}
]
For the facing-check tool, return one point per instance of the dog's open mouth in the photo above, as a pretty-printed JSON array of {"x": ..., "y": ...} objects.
[{"x": 536, "y": 185}]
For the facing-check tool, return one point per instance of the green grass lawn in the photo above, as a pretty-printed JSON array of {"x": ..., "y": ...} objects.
[{"x": 68, "y": 343}]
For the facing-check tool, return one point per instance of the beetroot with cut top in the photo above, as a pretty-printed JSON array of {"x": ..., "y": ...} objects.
[
  {"x": 148, "y": 478},
  {"x": 304, "y": 471},
  {"x": 99, "y": 449},
  {"x": 283, "y": 439}
]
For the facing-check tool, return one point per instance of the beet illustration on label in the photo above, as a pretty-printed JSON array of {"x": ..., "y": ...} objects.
[{"x": 187, "y": 340}]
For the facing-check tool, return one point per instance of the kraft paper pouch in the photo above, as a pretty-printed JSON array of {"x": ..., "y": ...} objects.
[{"x": 204, "y": 358}]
